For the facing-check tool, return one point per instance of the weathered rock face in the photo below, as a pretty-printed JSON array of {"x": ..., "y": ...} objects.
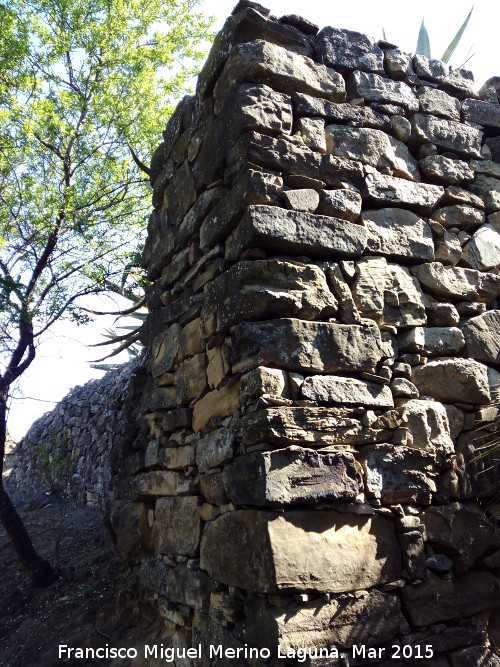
[{"x": 301, "y": 467}]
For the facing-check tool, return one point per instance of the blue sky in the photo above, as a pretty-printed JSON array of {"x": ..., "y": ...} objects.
[{"x": 62, "y": 359}]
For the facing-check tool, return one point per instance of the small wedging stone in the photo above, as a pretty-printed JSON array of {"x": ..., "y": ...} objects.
[
  {"x": 453, "y": 380},
  {"x": 262, "y": 550},
  {"x": 372, "y": 147}
]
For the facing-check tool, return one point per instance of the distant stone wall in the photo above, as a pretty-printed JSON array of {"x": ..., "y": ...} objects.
[
  {"x": 323, "y": 339},
  {"x": 88, "y": 423}
]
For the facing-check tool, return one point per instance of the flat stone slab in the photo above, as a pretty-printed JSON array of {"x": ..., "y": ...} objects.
[
  {"x": 292, "y": 475},
  {"x": 298, "y": 345},
  {"x": 389, "y": 190},
  {"x": 332, "y": 389},
  {"x": 323, "y": 551},
  {"x": 447, "y": 134},
  {"x": 453, "y": 380},
  {"x": 296, "y": 233},
  {"x": 398, "y": 234},
  {"x": 456, "y": 283},
  {"x": 347, "y": 49},
  {"x": 376, "y": 88}
]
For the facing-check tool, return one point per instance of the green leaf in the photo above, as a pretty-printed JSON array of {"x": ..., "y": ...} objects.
[
  {"x": 423, "y": 44},
  {"x": 450, "y": 49}
]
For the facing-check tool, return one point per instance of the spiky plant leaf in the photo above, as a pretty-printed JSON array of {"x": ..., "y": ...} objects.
[
  {"x": 450, "y": 49},
  {"x": 423, "y": 44}
]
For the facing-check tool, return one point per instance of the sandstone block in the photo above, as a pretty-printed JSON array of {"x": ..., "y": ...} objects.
[
  {"x": 336, "y": 552},
  {"x": 263, "y": 289},
  {"x": 445, "y": 170},
  {"x": 133, "y": 533},
  {"x": 191, "y": 378},
  {"x": 453, "y": 380},
  {"x": 296, "y": 233},
  {"x": 253, "y": 187},
  {"x": 388, "y": 190},
  {"x": 482, "y": 337},
  {"x": 215, "y": 449},
  {"x": 290, "y": 476},
  {"x": 398, "y": 234},
  {"x": 298, "y": 345},
  {"x": 446, "y": 599},
  {"x": 447, "y": 134},
  {"x": 459, "y": 82},
  {"x": 285, "y": 71},
  {"x": 291, "y": 158},
  {"x": 432, "y": 341},
  {"x": 372, "y": 147},
  {"x": 428, "y": 425},
  {"x": 375, "y": 88},
  {"x": 261, "y": 380},
  {"x": 306, "y": 200},
  {"x": 371, "y": 618},
  {"x": 459, "y": 215},
  {"x": 387, "y": 293},
  {"x": 344, "y": 114},
  {"x": 177, "y": 526},
  {"x": 459, "y": 531},
  {"x": 437, "y": 102},
  {"x": 218, "y": 403},
  {"x": 332, "y": 389},
  {"x": 482, "y": 113},
  {"x": 190, "y": 587},
  {"x": 311, "y": 426},
  {"x": 455, "y": 283},
  {"x": 156, "y": 483},
  {"x": 488, "y": 190},
  {"x": 312, "y": 131},
  {"x": 483, "y": 250},
  {"x": 349, "y": 50},
  {"x": 399, "y": 474},
  {"x": 343, "y": 204}
]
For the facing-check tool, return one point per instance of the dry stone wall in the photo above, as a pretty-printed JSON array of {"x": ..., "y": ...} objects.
[
  {"x": 88, "y": 425},
  {"x": 322, "y": 341}
]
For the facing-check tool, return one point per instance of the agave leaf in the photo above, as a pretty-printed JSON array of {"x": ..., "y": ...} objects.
[
  {"x": 383, "y": 34},
  {"x": 450, "y": 49},
  {"x": 423, "y": 44}
]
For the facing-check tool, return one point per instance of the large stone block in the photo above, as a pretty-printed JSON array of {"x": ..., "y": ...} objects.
[
  {"x": 488, "y": 190},
  {"x": 453, "y": 380},
  {"x": 346, "y": 49},
  {"x": 177, "y": 526},
  {"x": 333, "y": 390},
  {"x": 344, "y": 114},
  {"x": 298, "y": 345},
  {"x": 133, "y": 533},
  {"x": 398, "y": 234},
  {"x": 432, "y": 341},
  {"x": 447, "y": 134},
  {"x": 439, "y": 103},
  {"x": 428, "y": 425},
  {"x": 399, "y": 474},
  {"x": 392, "y": 191},
  {"x": 266, "y": 288},
  {"x": 482, "y": 337},
  {"x": 459, "y": 531},
  {"x": 481, "y": 113},
  {"x": 214, "y": 449},
  {"x": 296, "y": 233},
  {"x": 441, "y": 169},
  {"x": 483, "y": 250},
  {"x": 323, "y": 551},
  {"x": 387, "y": 293},
  {"x": 311, "y": 426},
  {"x": 457, "y": 284},
  {"x": 253, "y": 187},
  {"x": 290, "y": 476},
  {"x": 283, "y": 70},
  {"x": 375, "y": 88},
  {"x": 292, "y": 158},
  {"x": 440, "y": 600},
  {"x": 372, "y": 147},
  {"x": 218, "y": 403},
  {"x": 370, "y": 618}
]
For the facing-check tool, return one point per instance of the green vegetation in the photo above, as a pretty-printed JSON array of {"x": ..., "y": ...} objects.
[{"x": 85, "y": 89}]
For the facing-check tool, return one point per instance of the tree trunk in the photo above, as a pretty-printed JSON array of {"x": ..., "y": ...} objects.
[{"x": 39, "y": 570}]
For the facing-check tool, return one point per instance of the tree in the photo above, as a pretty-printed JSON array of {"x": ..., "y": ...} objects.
[{"x": 85, "y": 88}]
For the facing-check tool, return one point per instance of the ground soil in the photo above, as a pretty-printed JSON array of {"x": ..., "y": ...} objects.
[{"x": 80, "y": 609}]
